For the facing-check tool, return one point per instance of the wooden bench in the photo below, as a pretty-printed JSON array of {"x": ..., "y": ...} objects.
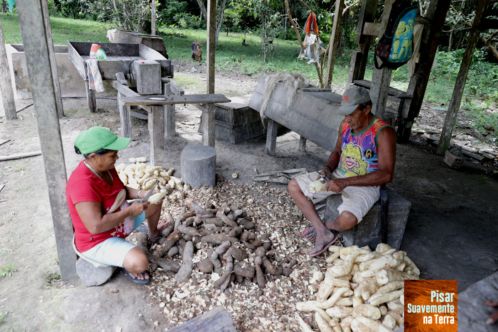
[{"x": 385, "y": 222}]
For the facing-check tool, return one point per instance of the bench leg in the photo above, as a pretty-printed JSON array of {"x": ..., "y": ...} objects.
[
  {"x": 208, "y": 125},
  {"x": 384, "y": 211},
  {"x": 156, "y": 133},
  {"x": 124, "y": 117},
  {"x": 271, "y": 137}
]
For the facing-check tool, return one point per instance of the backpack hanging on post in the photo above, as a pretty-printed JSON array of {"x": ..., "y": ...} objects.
[{"x": 395, "y": 47}]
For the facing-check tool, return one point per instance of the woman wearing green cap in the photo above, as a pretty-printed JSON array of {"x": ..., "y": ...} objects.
[{"x": 100, "y": 214}]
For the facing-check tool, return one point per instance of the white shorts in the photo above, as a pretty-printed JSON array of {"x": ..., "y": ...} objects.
[
  {"x": 111, "y": 252},
  {"x": 356, "y": 200}
]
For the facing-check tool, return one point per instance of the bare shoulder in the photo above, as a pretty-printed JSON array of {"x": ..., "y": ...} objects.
[{"x": 387, "y": 135}]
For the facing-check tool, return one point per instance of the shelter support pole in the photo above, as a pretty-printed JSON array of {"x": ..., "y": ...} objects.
[
  {"x": 6, "y": 90},
  {"x": 37, "y": 43},
  {"x": 456, "y": 98},
  {"x": 435, "y": 16},
  {"x": 53, "y": 62},
  {"x": 153, "y": 17},
  {"x": 335, "y": 37},
  {"x": 379, "y": 91},
  {"x": 359, "y": 58},
  {"x": 208, "y": 134}
]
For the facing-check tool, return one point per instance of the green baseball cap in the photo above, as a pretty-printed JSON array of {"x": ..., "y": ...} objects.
[{"x": 98, "y": 138}]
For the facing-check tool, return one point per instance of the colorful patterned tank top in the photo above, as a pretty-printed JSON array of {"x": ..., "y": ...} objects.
[{"x": 359, "y": 150}]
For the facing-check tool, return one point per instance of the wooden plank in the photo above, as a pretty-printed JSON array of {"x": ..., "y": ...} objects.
[
  {"x": 121, "y": 79},
  {"x": 456, "y": 98},
  {"x": 124, "y": 117},
  {"x": 391, "y": 92},
  {"x": 20, "y": 156},
  {"x": 124, "y": 89},
  {"x": 435, "y": 16},
  {"x": 216, "y": 320},
  {"x": 211, "y": 44},
  {"x": 360, "y": 57},
  {"x": 140, "y": 115},
  {"x": 6, "y": 91},
  {"x": 208, "y": 125},
  {"x": 170, "y": 100},
  {"x": 156, "y": 133},
  {"x": 335, "y": 37},
  {"x": 36, "y": 48},
  {"x": 271, "y": 137}
]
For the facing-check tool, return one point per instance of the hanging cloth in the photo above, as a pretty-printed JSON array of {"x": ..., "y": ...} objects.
[{"x": 311, "y": 25}]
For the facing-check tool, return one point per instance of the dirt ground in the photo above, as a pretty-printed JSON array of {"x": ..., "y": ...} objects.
[{"x": 451, "y": 232}]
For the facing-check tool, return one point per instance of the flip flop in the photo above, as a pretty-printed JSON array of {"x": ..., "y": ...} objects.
[
  {"x": 135, "y": 280},
  {"x": 306, "y": 232},
  {"x": 326, "y": 246}
]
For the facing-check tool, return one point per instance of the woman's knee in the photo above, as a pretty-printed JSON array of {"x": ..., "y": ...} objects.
[{"x": 136, "y": 261}]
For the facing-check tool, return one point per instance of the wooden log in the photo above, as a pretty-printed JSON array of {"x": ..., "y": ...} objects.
[
  {"x": 215, "y": 320},
  {"x": 335, "y": 37},
  {"x": 36, "y": 47},
  {"x": 6, "y": 91},
  {"x": 271, "y": 137},
  {"x": 156, "y": 133},
  {"x": 456, "y": 98},
  {"x": 20, "y": 156}
]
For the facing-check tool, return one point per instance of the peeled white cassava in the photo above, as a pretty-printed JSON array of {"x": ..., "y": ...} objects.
[
  {"x": 318, "y": 186},
  {"x": 157, "y": 198}
]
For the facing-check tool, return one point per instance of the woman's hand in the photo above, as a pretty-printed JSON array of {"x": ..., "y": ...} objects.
[{"x": 136, "y": 208}]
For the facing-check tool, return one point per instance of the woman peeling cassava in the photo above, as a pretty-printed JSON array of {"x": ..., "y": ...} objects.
[{"x": 101, "y": 216}]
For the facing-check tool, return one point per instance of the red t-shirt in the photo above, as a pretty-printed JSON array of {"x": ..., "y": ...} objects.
[{"x": 84, "y": 186}]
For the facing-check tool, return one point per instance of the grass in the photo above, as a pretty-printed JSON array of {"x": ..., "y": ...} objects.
[
  {"x": 231, "y": 56},
  {"x": 7, "y": 270}
]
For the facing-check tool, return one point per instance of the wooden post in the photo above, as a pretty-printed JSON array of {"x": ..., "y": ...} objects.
[
  {"x": 359, "y": 58},
  {"x": 36, "y": 47},
  {"x": 435, "y": 15},
  {"x": 124, "y": 117},
  {"x": 153, "y": 17},
  {"x": 53, "y": 62},
  {"x": 208, "y": 125},
  {"x": 90, "y": 94},
  {"x": 9, "y": 105},
  {"x": 155, "y": 123},
  {"x": 379, "y": 91},
  {"x": 207, "y": 121},
  {"x": 456, "y": 98},
  {"x": 335, "y": 37},
  {"x": 169, "y": 115},
  {"x": 271, "y": 137},
  {"x": 211, "y": 26}
]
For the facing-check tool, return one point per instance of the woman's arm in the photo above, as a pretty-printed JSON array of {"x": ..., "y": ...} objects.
[{"x": 91, "y": 216}]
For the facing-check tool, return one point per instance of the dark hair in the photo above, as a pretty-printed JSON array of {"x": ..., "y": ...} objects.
[
  {"x": 100, "y": 152},
  {"x": 364, "y": 105}
]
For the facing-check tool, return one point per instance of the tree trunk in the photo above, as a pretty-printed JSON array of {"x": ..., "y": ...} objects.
[
  {"x": 335, "y": 36},
  {"x": 293, "y": 24},
  {"x": 202, "y": 6},
  {"x": 456, "y": 98}
]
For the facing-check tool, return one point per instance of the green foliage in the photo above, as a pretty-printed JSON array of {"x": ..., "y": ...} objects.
[
  {"x": 3, "y": 317},
  {"x": 175, "y": 14},
  {"x": 7, "y": 270}
]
